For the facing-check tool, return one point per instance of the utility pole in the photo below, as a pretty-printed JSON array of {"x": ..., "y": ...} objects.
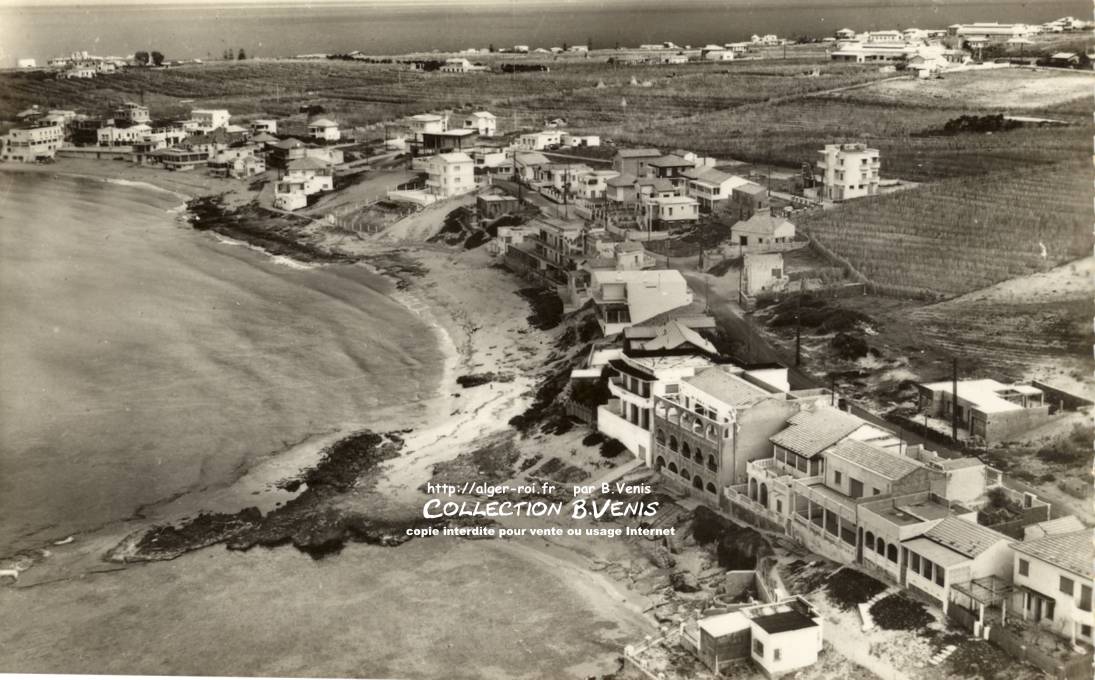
[
  {"x": 798, "y": 324},
  {"x": 954, "y": 399},
  {"x": 832, "y": 391}
]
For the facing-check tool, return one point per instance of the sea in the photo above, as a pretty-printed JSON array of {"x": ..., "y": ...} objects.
[
  {"x": 206, "y": 30},
  {"x": 141, "y": 359}
]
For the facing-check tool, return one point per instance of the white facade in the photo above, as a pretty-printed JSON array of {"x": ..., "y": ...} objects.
[
  {"x": 27, "y": 145},
  {"x": 210, "y": 119},
  {"x": 427, "y": 123},
  {"x": 450, "y": 174},
  {"x": 538, "y": 141},
  {"x": 1052, "y": 595},
  {"x": 267, "y": 125},
  {"x": 325, "y": 130},
  {"x": 848, "y": 171},
  {"x": 483, "y": 122}
]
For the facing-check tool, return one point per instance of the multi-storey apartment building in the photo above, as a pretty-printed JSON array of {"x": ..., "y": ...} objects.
[
  {"x": 31, "y": 143},
  {"x": 848, "y": 171}
]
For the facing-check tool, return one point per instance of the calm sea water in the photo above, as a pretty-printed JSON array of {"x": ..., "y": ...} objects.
[
  {"x": 181, "y": 31},
  {"x": 141, "y": 359}
]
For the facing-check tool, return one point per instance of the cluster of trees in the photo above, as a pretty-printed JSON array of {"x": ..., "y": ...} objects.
[
  {"x": 227, "y": 56},
  {"x": 143, "y": 58},
  {"x": 990, "y": 123}
]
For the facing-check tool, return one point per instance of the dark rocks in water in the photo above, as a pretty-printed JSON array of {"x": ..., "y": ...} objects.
[
  {"x": 169, "y": 542},
  {"x": 849, "y": 347},
  {"x": 476, "y": 379}
]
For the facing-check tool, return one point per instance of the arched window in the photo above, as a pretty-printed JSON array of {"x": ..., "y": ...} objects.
[
  {"x": 673, "y": 467},
  {"x": 686, "y": 450},
  {"x": 673, "y": 446},
  {"x": 659, "y": 436},
  {"x": 763, "y": 500},
  {"x": 683, "y": 472},
  {"x": 711, "y": 488},
  {"x": 880, "y": 548},
  {"x": 697, "y": 483},
  {"x": 891, "y": 553},
  {"x": 659, "y": 463},
  {"x": 868, "y": 539},
  {"x": 711, "y": 464},
  {"x": 752, "y": 489}
]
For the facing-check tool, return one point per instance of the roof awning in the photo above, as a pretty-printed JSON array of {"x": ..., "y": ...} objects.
[
  {"x": 627, "y": 369},
  {"x": 930, "y": 550}
]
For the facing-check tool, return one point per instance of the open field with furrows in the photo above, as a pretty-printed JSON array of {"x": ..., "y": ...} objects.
[
  {"x": 960, "y": 235},
  {"x": 1007, "y": 89},
  {"x": 363, "y": 93}
]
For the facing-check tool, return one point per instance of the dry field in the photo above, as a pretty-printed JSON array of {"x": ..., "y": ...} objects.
[{"x": 1005, "y": 89}]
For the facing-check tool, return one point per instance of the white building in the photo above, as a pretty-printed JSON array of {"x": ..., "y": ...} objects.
[
  {"x": 130, "y": 112},
  {"x": 31, "y": 144},
  {"x": 26, "y": 62},
  {"x": 210, "y": 119},
  {"x": 848, "y": 171},
  {"x": 450, "y": 174},
  {"x": 538, "y": 141},
  {"x": 659, "y": 211},
  {"x": 710, "y": 187},
  {"x": 301, "y": 179},
  {"x": 483, "y": 122},
  {"x": 324, "y": 129},
  {"x": 116, "y": 136},
  {"x": 624, "y": 298},
  {"x": 424, "y": 123},
  {"x": 1053, "y": 577},
  {"x": 267, "y": 125}
]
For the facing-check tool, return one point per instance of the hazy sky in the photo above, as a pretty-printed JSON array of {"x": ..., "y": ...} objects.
[{"x": 587, "y": 3}]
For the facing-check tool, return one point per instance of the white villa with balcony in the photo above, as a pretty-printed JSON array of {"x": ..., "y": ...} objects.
[
  {"x": 1053, "y": 579},
  {"x": 848, "y": 171},
  {"x": 626, "y": 298},
  {"x": 711, "y": 188},
  {"x": 450, "y": 174}
]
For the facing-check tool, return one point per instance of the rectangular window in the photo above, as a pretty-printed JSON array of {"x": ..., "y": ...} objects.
[
  {"x": 1085, "y": 598},
  {"x": 914, "y": 562},
  {"x": 758, "y": 648},
  {"x": 1085, "y": 631},
  {"x": 939, "y": 577},
  {"x": 1024, "y": 568},
  {"x": 1066, "y": 585},
  {"x": 776, "y": 656},
  {"x": 837, "y": 477}
]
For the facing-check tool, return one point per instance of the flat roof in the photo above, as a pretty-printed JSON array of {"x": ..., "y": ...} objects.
[
  {"x": 724, "y": 624},
  {"x": 784, "y": 621}
]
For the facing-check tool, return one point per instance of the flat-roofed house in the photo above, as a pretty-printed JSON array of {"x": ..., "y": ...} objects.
[
  {"x": 300, "y": 179},
  {"x": 987, "y": 409},
  {"x": 267, "y": 125},
  {"x": 718, "y": 421},
  {"x": 779, "y": 637},
  {"x": 445, "y": 141},
  {"x": 427, "y": 122},
  {"x": 32, "y": 143},
  {"x": 848, "y": 171},
  {"x": 711, "y": 188},
  {"x": 210, "y": 119},
  {"x": 1053, "y": 581},
  {"x": 625, "y": 298},
  {"x": 450, "y": 174}
]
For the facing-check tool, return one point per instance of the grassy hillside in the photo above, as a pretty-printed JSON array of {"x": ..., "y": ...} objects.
[{"x": 960, "y": 235}]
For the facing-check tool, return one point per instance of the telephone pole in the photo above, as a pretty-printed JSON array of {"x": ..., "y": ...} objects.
[
  {"x": 954, "y": 399},
  {"x": 798, "y": 324}
]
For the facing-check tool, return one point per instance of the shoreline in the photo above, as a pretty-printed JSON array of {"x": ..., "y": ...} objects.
[{"x": 257, "y": 483}]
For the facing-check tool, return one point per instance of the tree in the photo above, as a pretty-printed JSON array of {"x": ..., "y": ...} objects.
[
  {"x": 157, "y": 58},
  {"x": 141, "y": 58},
  {"x": 241, "y": 56}
]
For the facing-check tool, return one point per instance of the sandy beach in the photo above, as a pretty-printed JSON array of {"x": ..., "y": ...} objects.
[{"x": 479, "y": 324}]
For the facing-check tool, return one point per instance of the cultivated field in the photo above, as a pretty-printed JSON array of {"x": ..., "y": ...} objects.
[
  {"x": 960, "y": 235},
  {"x": 1006, "y": 89}
]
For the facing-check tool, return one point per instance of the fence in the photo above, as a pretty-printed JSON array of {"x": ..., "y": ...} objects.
[
  {"x": 1076, "y": 667},
  {"x": 582, "y": 412}
]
